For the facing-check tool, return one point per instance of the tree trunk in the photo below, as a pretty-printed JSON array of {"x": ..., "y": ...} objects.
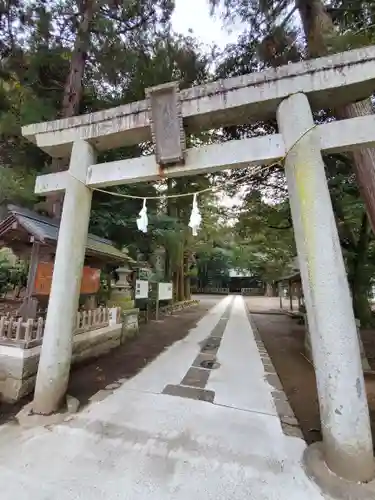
[
  {"x": 175, "y": 285},
  {"x": 168, "y": 263},
  {"x": 320, "y": 34},
  {"x": 359, "y": 278},
  {"x": 74, "y": 83},
  {"x": 181, "y": 285},
  {"x": 356, "y": 261},
  {"x": 269, "y": 290},
  {"x": 363, "y": 160},
  {"x": 175, "y": 263},
  {"x": 317, "y": 25},
  {"x": 73, "y": 92},
  {"x": 187, "y": 294}
]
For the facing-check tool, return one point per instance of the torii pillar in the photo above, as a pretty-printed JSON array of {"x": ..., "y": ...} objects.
[
  {"x": 342, "y": 395},
  {"x": 54, "y": 365}
]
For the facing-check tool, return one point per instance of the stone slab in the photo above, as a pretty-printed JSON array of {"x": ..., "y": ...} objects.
[
  {"x": 190, "y": 393},
  {"x": 196, "y": 377}
]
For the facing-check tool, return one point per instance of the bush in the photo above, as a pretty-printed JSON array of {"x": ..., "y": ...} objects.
[{"x": 12, "y": 274}]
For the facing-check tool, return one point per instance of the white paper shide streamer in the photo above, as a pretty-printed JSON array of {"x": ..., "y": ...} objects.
[
  {"x": 142, "y": 221},
  {"x": 195, "y": 217}
]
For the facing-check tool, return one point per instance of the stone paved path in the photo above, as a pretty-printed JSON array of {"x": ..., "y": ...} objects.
[{"x": 175, "y": 431}]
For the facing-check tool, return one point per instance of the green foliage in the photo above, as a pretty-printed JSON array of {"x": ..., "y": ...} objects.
[
  {"x": 12, "y": 272},
  {"x": 127, "y": 46},
  {"x": 213, "y": 267},
  {"x": 265, "y": 242},
  {"x": 68, "y": 57},
  {"x": 276, "y": 32},
  {"x": 275, "y": 26},
  {"x": 126, "y": 303},
  {"x": 16, "y": 186}
]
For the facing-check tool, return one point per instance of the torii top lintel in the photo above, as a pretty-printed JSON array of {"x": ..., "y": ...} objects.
[{"x": 328, "y": 82}]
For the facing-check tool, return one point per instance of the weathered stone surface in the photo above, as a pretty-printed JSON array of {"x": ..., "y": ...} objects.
[
  {"x": 96, "y": 350},
  {"x": 86, "y": 342},
  {"x": 112, "y": 387},
  {"x": 331, "y": 484},
  {"x": 28, "y": 419},
  {"x": 72, "y": 404},
  {"x": 190, "y": 393},
  {"x": 274, "y": 380},
  {"x": 224, "y": 102},
  {"x": 13, "y": 389},
  {"x": 196, "y": 377},
  {"x": 18, "y": 374},
  {"x": 27, "y": 386},
  {"x": 166, "y": 123},
  {"x": 100, "y": 395},
  {"x": 327, "y": 296},
  {"x": 30, "y": 366},
  {"x": 131, "y": 324},
  {"x": 282, "y": 405},
  {"x": 11, "y": 367}
]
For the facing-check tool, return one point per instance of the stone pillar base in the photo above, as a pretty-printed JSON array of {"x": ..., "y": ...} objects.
[{"x": 331, "y": 484}]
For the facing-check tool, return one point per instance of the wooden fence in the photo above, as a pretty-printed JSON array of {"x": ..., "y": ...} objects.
[
  {"x": 211, "y": 290},
  {"x": 18, "y": 331},
  {"x": 251, "y": 291},
  {"x": 92, "y": 320}
]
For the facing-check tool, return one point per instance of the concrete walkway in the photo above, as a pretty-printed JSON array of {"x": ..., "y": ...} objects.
[{"x": 143, "y": 443}]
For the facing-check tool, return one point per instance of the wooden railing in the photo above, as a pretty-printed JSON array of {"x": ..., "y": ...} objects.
[
  {"x": 30, "y": 332},
  {"x": 91, "y": 320},
  {"x": 18, "y": 330}
]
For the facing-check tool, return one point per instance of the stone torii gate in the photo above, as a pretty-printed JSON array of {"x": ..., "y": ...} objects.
[{"x": 290, "y": 93}]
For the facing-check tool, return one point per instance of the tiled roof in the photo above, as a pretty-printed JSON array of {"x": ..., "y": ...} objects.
[{"x": 46, "y": 230}]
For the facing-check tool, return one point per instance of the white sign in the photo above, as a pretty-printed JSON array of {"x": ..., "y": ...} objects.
[
  {"x": 141, "y": 289},
  {"x": 165, "y": 291},
  {"x": 112, "y": 316}
]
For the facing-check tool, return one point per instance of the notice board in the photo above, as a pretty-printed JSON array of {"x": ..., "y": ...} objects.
[
  {"x": 165, "y": 291},
  {"x": 141, "y": 289}
]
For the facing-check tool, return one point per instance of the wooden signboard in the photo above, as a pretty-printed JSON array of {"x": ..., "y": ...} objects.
[{"x": 90, "y": 283}]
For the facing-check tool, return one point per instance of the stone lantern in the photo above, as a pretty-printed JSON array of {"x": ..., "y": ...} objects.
[
  {"x": 121, "y": 295},
  {"x": 122, "y": 288}
]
